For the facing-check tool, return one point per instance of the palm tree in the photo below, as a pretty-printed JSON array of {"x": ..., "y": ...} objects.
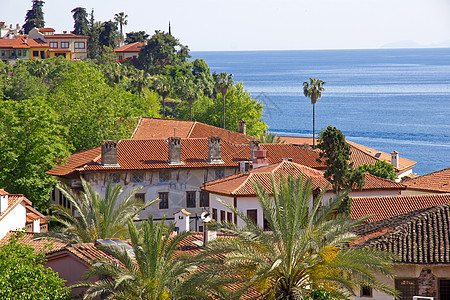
[
  {"x": 223, "y": 84},
  {"x": 163, "y": 88},
  {"x": 306, "y": 249},
  {"x": 189, "y": 91},
  {"x": 313, "y": 89},
  {"x": 140, "y": 79},
  {"x": 121, "y": 19},
  {"x": 151, "y": 271},
  {"x": 95, "y": 217},
  {"x": 270, "y": 138}
]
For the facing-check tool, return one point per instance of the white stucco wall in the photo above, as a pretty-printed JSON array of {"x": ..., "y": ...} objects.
[{"x": 14, "y": 220}]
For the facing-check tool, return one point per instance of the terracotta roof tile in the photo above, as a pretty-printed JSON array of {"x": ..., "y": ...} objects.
[
  {"x": 13, "y": 201},
  {"x": 75, "y": 161},
  {"x": 133, "y": 47},
  {"x": 46, "y": 29},
  {"x": 21, "y": 43},
  {"x": 438, "y": 181},
  {"x": 66, "y": 36},
  {"x": 383, "y": 207},
  {"x": 3, "y": 192},
  {"x": 45, "y": 245}
]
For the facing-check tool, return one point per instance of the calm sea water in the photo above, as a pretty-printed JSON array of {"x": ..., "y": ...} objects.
[{"x": 387, "y": 99}]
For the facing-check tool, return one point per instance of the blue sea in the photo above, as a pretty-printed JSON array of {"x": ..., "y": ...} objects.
[{"x": 387, "y": 99}]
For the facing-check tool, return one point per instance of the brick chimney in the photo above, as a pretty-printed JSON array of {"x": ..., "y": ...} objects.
[
  {"x": 394, "y": 159},
  {"x": 214, "y": 150},
  {"x": 109, "y": 153},
  {"x": 242, "y": 126},
  {"x": 254, "y": 145},
  {"x": 260, "y": 159},
  {"x": 174, "y": 150},
  {"x": 3, "y": 200}
]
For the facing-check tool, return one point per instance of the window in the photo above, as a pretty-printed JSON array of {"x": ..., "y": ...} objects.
[
  {"x": 24, "y": 52},
  {"x": 138, "y": 177},
  {"x": 266, "y": 226},
  {"x": 220, "y": 173},
  {"x": 3, "y": 53},
  {"x": 164, "y": 204},
  {"x": 163, "y": 176},
  {"x": 214, "y": 214},
  {"x": 407, "y": 288},
  {"x": 222, "y": 216},
  {"x": 13, "y": 53},
  {"x": 140, "y": 196},
  {"x": 444, "y": 289},
  {"x": 253, "y": 215},
  {"x": 79, "y": 45},
  {"x": 115, "y": 177},
  {"x": 19, "y": 52},
  {"x": 229, "y": 217},
  {"x": 35, "y": 53},
  {"x": 204, "y": 199},
  {"x": 53, "y": 44},
  {"x": 64, "y": 44},
  {"x": 366, "y": 291},
  {"x": 190, "y": 199}
]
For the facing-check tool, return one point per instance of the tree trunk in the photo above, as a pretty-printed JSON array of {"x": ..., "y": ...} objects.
[
  {"x": 190, "y": 112},
  {"x": 314, "y": 126},
  {"x": 223, "y": 110},
  {"x": 164, "y": 107}
]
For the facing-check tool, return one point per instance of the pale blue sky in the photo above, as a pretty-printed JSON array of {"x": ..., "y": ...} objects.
[{"x": 263, "y": 24}]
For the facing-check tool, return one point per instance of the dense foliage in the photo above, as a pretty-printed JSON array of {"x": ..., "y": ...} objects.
[
  {"x": 381, "y": 169},
  {"x": 23, "y": 276},
  {"x": 34, "y": 17}
]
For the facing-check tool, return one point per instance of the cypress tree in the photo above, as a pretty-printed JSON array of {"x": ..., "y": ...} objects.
[
  {"x": 81, "y": 22},
  {"x": 34, "y": 17}
]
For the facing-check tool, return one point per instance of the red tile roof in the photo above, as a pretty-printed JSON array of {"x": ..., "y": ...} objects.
[
  {"x": 66, "y": 36},
  {"x": 438, "y": 181},
  {"x": 45, "y": 245},
  {"x": 154, "y": 128},
  {"x": 242, "y": 184},
  {"x": 21, "y": 43},
  {"x": 13, "y": 201},
  {"x": 383, "y": 207},
  {"x": 153, "y": 154},
  {"x": 133, "y": 47},
  {"x": 46, "y": 29},
  {"x": 3, "y": 192}
]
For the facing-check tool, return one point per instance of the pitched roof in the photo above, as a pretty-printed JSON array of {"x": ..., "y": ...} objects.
[
  {"x": 154, "y": 128},
  {"x": 242, "y": 184},
  {"x": 20, "y": 42},
  {"x": 46, "y": 29},
  {"x": 438, "y": 181},
  {"x": 45, "y": 245},
  {"x": 133, "y": 47},
  {"x": 153, "y": 154},
  {"x": 383, "y": 207},
  {"x": 66, "y": 36},
  {"x": 13, "y": 201},
  {"x": 419, "y": 237}
]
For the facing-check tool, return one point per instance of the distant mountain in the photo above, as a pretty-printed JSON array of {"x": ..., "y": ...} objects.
[{"x": 413, "y": 44}]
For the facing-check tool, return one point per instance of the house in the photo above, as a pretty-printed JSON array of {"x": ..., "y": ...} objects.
[
  {"x": 8, "y": 31},
  {"x": 20, "y": 47},
  {"x": 238, "y": 190},
  {"x": 421, "y": 240},
  {"x": 17, "y": 213},
  {"x": 129, "y": 51},
  {"x": 360, "y": 155},
  {"x": 435, "y": 182},
  {"x": 67, "y": 45}
]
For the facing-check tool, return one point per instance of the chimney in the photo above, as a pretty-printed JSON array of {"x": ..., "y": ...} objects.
[
  {"x": 242, "y": 127},
  {"x": 394, "y": 159},
  {"x": 174, "y": 150},
  {"x": 65, "y": 31},
  {"x": 109, "y": 153},
  {"x": 254, "y": 145},
  {"x": 208, "y": 234},
  {"x": 214, "y": 150},
  {"x": 260, "y": 159},
  {"x": 182, "y": 220},
  {"x": 3, "y": 200}
]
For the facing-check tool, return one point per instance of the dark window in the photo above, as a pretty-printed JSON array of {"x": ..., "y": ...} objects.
[
  {"x": 53, "y": 194},
  {"x": 3, "y": 52},
  {"x": 140, "y": 196},
  {"x": 115, "y": 177},
  {"x": 366, "y": 291},
  {"x": 407, "y": 288},
  {"x": 24, "y": 52},
  {"x": 222, "y": 216},
  {"x": 138, "y": 177},
  {"x": 43, "y": 54},
  {"x": 64, "y": 44},
  {"x": 164, "y": 204},
  {"x": 214, "y": 214},
  {"x": 266, "y": 225},
  {"x": 444, "y": 288},
  {"x": 163, "y": 176},
  {"x": 190, "y": 199},
  {"x": 13, "y": 53},
  {"x": 253, "y": 215},
  {"x": 229, "y": 217},
  {"x": 204, "y": 199},
  {"x": 220, "y": 173},
  {"x": 19, "y": 52},
  {"x": 36, "y": 53}
]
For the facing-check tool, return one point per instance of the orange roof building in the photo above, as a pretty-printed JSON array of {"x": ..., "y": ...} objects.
[
  {"x": 435, "y": 182},
  {"x": 22, "y": 48},
  {"x": 129, "y": 51}
]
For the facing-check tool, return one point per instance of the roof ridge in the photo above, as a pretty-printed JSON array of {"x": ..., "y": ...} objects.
[{"x": 431, "y": 173}]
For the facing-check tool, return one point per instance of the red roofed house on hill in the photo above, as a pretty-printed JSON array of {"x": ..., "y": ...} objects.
[
  {"x": 19, "y": 47},
  {"x": 129, "y": 51}
]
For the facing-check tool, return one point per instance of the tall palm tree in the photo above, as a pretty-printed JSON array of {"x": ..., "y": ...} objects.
[
  {"x": 140, "y": 79},
  {"x": 189, "y": 92},
  {"x": 151, "y": 271},
  {"x": 307, "y": 248},
  {"x": 163, "y": 88},
  {"x": 223, "y": 84},
  {"x": 313, "y": 90},
  {"x": 95, "y": 217},
  {"x": 121, "y": 19}
]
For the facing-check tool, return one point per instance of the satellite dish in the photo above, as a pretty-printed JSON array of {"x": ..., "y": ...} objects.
[{"x": 205, "y": 216}]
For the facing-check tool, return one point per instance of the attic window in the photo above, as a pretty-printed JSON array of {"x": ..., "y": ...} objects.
[
  {"x": 138, "y": 177},
  {"x": 164, "y": 176},
  {"x": 115, "y": 177}
]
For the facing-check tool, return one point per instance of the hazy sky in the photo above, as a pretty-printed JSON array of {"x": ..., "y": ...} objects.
[{"x": 262, "y": 24}]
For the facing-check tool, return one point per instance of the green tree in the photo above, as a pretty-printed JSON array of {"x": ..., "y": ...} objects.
[
  {"x": 380, "y": 169},
  {"x": 96, "y": 217},
  {"x": 21, "y": 85},
  {"x": 162, "y": 85},
  {"x": 121, "y": 19},
  {"x": 93, "y": 46},
  {"x": 138, "y": 36},
  {"x": 81, "y": 22},
  {"x": 188, "y": 92},
  {"x": 23, "y": 275},
  {"x": 270, "y": 138},
  {"x": 34, "y": 17},
  {"x": 335, "y": 153},
  {"x": 31, "y": 142},
  {"x": 151, "y": 271},
  {"x": 140, "y": 80},
  {"x": 109, "y": 36},
  {"x": 306, "y": 249},
  {"x": 223, "y": 83},
  {"x": 313, "y": 90}
]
